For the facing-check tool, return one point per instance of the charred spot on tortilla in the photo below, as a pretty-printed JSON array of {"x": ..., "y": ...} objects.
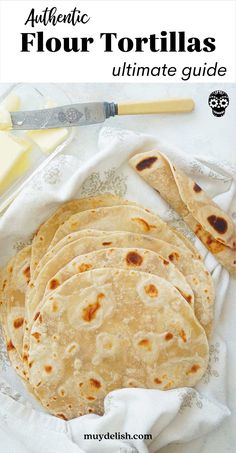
[
  {"x": 146, "y": 163},
  {"x": 133, "y": 258},
  {"x": 168, "y": 336},
  {"x": 84, "y": 267},
  {"x": 10, "y": 346},
  {"x": 197, "y": 188},
  {"x": 218, "y": 223},
  {"x": 18, "y": 323},
  {"x": 90, "y": 312},
  {"x": 157, "y": 381},
  {"x": 151, "y": 290},
  {"x": 54, "y": 283},
  {"x": 26, "y": 273},
  {"x": 145, "y": 343},
  {"x": 95, "y": 383}
]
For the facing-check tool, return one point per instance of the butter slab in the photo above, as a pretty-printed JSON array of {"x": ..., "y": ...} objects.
[
  {"x": 48, "y": 139},
  {"x": 14, "y": 159}
]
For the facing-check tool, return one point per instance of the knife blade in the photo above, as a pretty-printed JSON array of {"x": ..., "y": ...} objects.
[
  {"x": 83, "y": 114},
  {"x": 66, "y": 116}
]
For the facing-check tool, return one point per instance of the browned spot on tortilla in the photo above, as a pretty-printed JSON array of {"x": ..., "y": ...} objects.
[
  {"x": 48, "y": 369},
  {"x": 55, "y": 306},
  {"x": 62, "y": 416},
  {"x": 81, "y": 384},
  {"x": 107, "y": 243},
  {"x": 95, "y": 383},
  {"x": 169, "y": 336},
  {"x": 143, "y": 223},
  {"x": 133, "y": 258},
  {"x": 84, "y": 267},
  {"x": 10, "y": 269},
  {"x": 31, "y": 363},
  {"x": 234, "y": 261},
  {"x": 38, "y": 384},
  {"x": 36, "y": 335},
  {"x": 183, "y": 335},
  {"x": 18, "y": 323},
  {"x": 166, "y": 262},
  {"x": 187, "y": 297},
  {"x": 207, "y": 239},
  {"x": 4, "y": 285},
  {"x": 26, "y": 273},
  {"x": 218, "y": 223},
  {"x": 151, "y": 290},
  {"x": 54, "y": 283},
  {"x": 193, "y": 369},
  {"x": 168, "y": 385},
  {"x": 89, "y": 312},
  {"x": 41, "y": 238},
  {"x": 37, "y": 315},
  {"x": 74, "y": 225},
  {"x": 145, "y": 343},
  {"x": 173, "y": 256},
  {"x": 157, "y": 381},
  {"x": 146, "y": 163},
  {"x": 10, "y": 346},
  {"x": 90, "y": 398},
  {"x": 197, "y": 188},
  {"x": 25, "y": 357}
]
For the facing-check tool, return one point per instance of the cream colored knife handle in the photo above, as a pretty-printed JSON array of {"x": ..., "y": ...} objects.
[{"x": 165, "y": 106}]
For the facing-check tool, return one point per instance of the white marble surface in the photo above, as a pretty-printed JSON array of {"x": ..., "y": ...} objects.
[{"x": 196, "y": 133}]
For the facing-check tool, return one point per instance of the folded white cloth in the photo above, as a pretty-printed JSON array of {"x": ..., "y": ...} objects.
[{"x": 172, "y": 416}]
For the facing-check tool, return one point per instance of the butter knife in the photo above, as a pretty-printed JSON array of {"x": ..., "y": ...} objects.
[{"x": 83, "y": 114}]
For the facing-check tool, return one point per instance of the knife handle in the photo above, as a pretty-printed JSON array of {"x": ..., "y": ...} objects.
[{"x": 150, "y": 107}]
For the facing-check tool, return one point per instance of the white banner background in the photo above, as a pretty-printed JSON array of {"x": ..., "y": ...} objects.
[{"x": 131, "y": 18}]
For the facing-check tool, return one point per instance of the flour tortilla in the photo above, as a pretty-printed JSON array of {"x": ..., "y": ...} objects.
[
  {"x": 53, "y": 250},
  {"x": 212, "y": 226},
  {"x": 123, "y": 218},
  {"x": 18, "y": 283},
  {"x": 124, "y": 258},
  {"x": 13, "y": 355},
  {"x": 107, "y": 329},
  {"x": 193, "y": 270},
  {"x": 46, "y": 232}
]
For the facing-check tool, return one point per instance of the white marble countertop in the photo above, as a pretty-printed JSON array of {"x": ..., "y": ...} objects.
[{"x": 197, "y": 133}]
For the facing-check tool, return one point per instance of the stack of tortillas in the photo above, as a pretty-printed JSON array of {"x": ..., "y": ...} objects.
[{"x": 108, "y": 296}]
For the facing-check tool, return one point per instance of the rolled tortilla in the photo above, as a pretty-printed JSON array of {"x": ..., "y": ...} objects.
[{"x": 211, "y": 225}]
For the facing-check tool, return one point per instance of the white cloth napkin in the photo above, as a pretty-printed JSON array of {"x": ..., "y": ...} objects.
[{"x": 179, "y": 415}]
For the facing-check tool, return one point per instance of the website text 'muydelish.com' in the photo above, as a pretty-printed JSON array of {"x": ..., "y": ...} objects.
[{"x": 117, "y": 436}]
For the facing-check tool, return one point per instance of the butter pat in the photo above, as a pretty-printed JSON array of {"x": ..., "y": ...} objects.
[
  {"x": 14, "y": 159},
  {"x": 48, "y": 139},
  {"x": 11, "y": 103},
  {"x": 5, "y": 120}
]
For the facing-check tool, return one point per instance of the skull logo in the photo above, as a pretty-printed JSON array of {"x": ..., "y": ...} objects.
[{"x": 218, "y": 101}]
